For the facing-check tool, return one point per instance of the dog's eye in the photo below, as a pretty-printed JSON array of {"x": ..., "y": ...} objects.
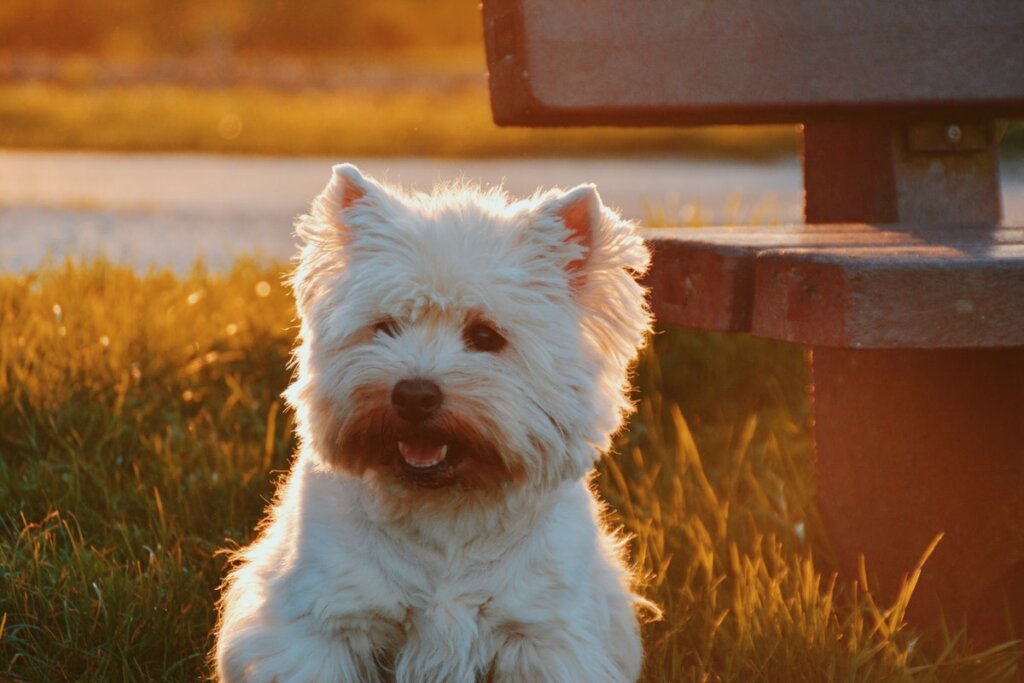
[
  {"x": 481, "y": 337},
  {"x": 387, "y": 326}
]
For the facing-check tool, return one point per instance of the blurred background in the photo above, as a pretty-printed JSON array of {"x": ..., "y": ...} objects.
[
  {"x": 286, "y": 89},
  {"x": 266, "y": 76}
]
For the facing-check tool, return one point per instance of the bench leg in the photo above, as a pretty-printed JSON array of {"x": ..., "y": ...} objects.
[{"x": 911, "y": 443}]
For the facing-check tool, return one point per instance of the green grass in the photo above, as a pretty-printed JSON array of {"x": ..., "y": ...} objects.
[
  {"x": 445, "y": 119},
  {"x": 141, "y": 431}
]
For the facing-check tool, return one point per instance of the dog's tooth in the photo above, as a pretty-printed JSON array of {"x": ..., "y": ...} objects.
[{"x": 406, "y": 451}]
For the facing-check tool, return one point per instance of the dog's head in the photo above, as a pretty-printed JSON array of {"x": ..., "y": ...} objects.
[{"x": 462, "y": 339}]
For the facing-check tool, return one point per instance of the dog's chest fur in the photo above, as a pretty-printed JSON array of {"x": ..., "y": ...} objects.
[{"x": 413, "y": 580}]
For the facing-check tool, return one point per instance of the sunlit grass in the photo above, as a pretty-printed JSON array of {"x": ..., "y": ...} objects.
[
  {"x": 453, "y": 121},
  {"x": 141, "y": 430}
]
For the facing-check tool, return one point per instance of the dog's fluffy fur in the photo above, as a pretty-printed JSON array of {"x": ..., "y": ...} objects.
[{"x": 493, "y": 564}]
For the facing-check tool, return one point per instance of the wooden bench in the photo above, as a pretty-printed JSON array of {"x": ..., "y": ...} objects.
[{"x": 903, "y": 281}]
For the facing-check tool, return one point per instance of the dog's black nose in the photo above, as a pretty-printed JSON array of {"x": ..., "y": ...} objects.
[{"x": 416, "y": 399}]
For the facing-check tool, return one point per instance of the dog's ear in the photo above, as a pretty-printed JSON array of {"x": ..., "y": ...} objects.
[
  {"x": 579, "y": 211},
  {"x": 349, "y": 187},
  {"x": 329, "y": 220},
  {"x": 348, "y": 204}
]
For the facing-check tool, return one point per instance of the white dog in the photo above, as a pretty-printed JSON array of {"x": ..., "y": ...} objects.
[{"x": 463, "y": 363}]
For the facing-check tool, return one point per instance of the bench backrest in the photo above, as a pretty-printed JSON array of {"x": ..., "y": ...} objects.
[{"x": 637, "y": 62}]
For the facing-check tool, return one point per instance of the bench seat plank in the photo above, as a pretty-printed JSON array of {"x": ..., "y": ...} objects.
[
  {"x": 848, "y": 286},
  {"x": 658, "y": 62}
]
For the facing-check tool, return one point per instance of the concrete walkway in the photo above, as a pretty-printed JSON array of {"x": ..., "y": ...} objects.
[{"x": 169, "y": 209}]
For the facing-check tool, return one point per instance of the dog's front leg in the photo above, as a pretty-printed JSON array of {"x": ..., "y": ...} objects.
[
  {"x": 297, "y": 653},
  {"x": 549, "y": 657},
  {"x": 443, "y": 645}
]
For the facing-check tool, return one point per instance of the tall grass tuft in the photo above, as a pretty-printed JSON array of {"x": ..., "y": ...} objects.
[{"x": 141, "y": 431}]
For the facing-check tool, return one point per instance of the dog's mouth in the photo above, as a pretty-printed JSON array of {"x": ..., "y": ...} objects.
[
  {"x": 448, "y": 450},
  {"x": 422, "y": 454},
  {"x": 427, "y": 460}
]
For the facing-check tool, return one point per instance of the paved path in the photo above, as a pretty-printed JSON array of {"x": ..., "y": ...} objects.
[{"x": 168, "y": 209}]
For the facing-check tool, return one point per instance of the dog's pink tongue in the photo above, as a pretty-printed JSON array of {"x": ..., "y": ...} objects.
[{"x": 422, "y": 453}]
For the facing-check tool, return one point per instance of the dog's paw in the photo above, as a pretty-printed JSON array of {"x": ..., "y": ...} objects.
[
  {"x": 523, "y": 657},
  {"x": 287, "y": 656},
  {"x": 442, "y": 647}
]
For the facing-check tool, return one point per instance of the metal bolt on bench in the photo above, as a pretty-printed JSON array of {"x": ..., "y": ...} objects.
[{"x": 903, "y": 281}]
